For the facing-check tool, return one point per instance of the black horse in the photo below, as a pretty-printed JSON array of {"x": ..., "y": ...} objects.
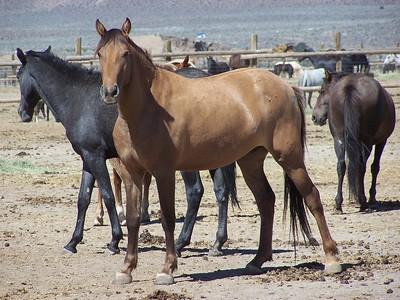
[
  {"x": 73, "y": 95},
  {"x": 359, "y": 61},
  {"x": 216, "y": 67}
]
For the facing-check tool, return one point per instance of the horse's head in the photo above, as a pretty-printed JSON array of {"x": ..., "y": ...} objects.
[
  {"x": 114, "y": 49},
  {"x": 389, "y": 59},
  {"x": 320, "y": 111},
  {"x": 29, "y": 94}
]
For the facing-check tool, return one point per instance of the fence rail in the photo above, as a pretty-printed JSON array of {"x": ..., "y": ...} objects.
[{"x": 247, "y": 54}]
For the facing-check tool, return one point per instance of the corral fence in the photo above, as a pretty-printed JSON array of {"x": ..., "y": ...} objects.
[{"x": 258, "y": 57}]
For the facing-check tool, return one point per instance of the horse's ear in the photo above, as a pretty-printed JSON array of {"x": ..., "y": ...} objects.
[
  {"x": 101, "y": 30},
  {"x": 48, "y": 49},
  {"x": 185, "y": 62},
  {"x": 126, "y": 27},
  {"x": 328, "y": 75},
  {"x": 21, "y": 56}
]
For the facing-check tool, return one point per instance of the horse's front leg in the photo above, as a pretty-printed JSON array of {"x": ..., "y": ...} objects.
[
  {"x": 166, "y": 192},
  {"x": 341, "y": 170},
  {"x": 85, "y": 192},
  {"x": 97, "y": 165},
  {"x": 133, "y": 188}
]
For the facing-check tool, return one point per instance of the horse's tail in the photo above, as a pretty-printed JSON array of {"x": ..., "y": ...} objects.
[
  {"x": 301, "y": 104},
  {"x": 353, "y": 146},
  {"x": 229, "y": 175},
  {"x": 298, "y": 213}
]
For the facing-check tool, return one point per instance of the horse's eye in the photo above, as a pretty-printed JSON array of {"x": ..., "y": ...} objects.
[{"x": 125, "y": 54}]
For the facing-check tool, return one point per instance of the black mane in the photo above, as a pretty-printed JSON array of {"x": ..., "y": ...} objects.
[{"x": 72, "y": 70}]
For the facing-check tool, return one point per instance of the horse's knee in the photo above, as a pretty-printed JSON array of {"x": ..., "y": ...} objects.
[{"x": 195, "y": 193}]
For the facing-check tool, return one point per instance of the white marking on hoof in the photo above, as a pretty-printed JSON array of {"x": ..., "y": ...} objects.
[
  {"x": 123, "y": 223},
  {"x": 122, "y": 278},
  {"x": 252, "y": 270},
  {"x": 215, "y": 252},
  {"x": 66, "y": 251},
  {"x": 98, "y": 221},
  {"x": 164, "y": 279},
  {"x": 333, "y": 268}
]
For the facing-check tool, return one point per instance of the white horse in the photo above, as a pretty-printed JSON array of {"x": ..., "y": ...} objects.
[
  {"x": 311, "y": 78},
  {"x": 392, "y": 58},
  {"x": 297, "y": 68}
]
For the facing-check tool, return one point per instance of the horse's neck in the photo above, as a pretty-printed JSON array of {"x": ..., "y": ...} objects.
[{"x": 55, "y": 89}]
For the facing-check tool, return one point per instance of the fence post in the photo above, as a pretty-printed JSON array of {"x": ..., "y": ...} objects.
[
  {"x": 168, "y": 49},
  {"x": 253, "y": 46},
  {"x": 338, "y": 47},
  {"x": 78, "y": 46}
]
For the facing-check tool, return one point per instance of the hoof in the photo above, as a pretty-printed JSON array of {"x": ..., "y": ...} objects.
[
  {"x": 123, "y": 223},
  {"x": 333, "y": 268},
  {"x": 252, "y": 270},
  {"x": 69, "y": 250},
  {"x": 178, "y": 253},
  {"x": 337, "y": 211},
  {"x": 98, "y": 221},
  {"x": 122, "y": 278},
  {"x": 215, "y": 252},
  {"x": 145, "y": 221},
  {"x": 112, "y": 249},
  {"x": 164, "y": 279},
  {"x": 122, "y": 218},
  {"x": 313, "y": 242}
]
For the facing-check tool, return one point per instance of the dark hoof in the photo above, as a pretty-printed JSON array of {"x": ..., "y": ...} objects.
[
  {"x": 178, "y": 253},
  {"x": 337, "y": 211},
  {"x": 145, "y": 221},
  {"x": 374, "y": 205},
  {"x": 215, "y": 252},
  {"x": 113, "y": 249},
  {"x": 313, "y": 242},
  {"x": 70, "y": 250},
  {"x": 252, "y": 270}
]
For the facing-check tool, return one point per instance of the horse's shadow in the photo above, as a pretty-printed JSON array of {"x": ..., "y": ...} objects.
[
  {"x": 230, "y": 273},
  {"x": 381, "y": 206}
]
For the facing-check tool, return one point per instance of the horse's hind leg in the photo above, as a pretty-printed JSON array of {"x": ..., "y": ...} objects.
[
  {"x": 117, "y": 182},
  {"x": 252, "y": 169},
  {"x": 194, "y": 191},
  {"x": 221, "y": 194},
  {"x": 293, "y": 164},
  {"x": 98, "y": 220},
  {"x": 366, "y": 151},
  {"x": 341, "y": 170},
  {"x": 375, "y": 167},
  {"x": 145, "y": 216}
]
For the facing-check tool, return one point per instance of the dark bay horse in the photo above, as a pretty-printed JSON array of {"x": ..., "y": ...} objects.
[
  {"x": 167, "y": 122},
  {"x": 89, "y": 124},
  {"x": 361, "y": 114},
  {"x": 216, "y": 67}
]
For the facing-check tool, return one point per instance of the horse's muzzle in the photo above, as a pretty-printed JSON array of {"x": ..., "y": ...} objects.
[
  {"x": 109, "y": 94},
  {"x": 319, "y": 120}
]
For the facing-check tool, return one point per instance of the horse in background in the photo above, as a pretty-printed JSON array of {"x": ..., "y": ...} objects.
[
  {"x": 291, "y": 68},
  {"x": 216, "y": 67},
  {"x": 236, "y": 62},
  {"x": 311, "y": 78},
  {"x": 391, "y": 62},
  {"x": 361, "y": 115}
]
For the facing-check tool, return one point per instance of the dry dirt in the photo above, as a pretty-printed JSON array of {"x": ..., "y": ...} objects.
[{"x": 39, "y": 183}]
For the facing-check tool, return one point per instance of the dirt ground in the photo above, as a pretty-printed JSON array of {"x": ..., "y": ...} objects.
[{"x": 39, "y": 181}]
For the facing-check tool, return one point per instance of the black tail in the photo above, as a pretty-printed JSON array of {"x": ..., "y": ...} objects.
[
  {"x": 298, "y": 212},
  {"x": 229, "y": 175},
  {"x": 353, "y": 146}
]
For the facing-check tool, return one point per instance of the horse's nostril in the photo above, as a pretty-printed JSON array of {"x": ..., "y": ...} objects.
[{"x": 114, "y": 91}]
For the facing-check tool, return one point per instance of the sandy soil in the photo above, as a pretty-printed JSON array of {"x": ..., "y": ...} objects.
[{"x": 39, "y": 183}]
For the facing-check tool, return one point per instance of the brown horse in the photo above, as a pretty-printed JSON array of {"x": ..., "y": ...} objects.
[
  {"x": 167, "y": 122},
  {"x": 361, "y": 114}
]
